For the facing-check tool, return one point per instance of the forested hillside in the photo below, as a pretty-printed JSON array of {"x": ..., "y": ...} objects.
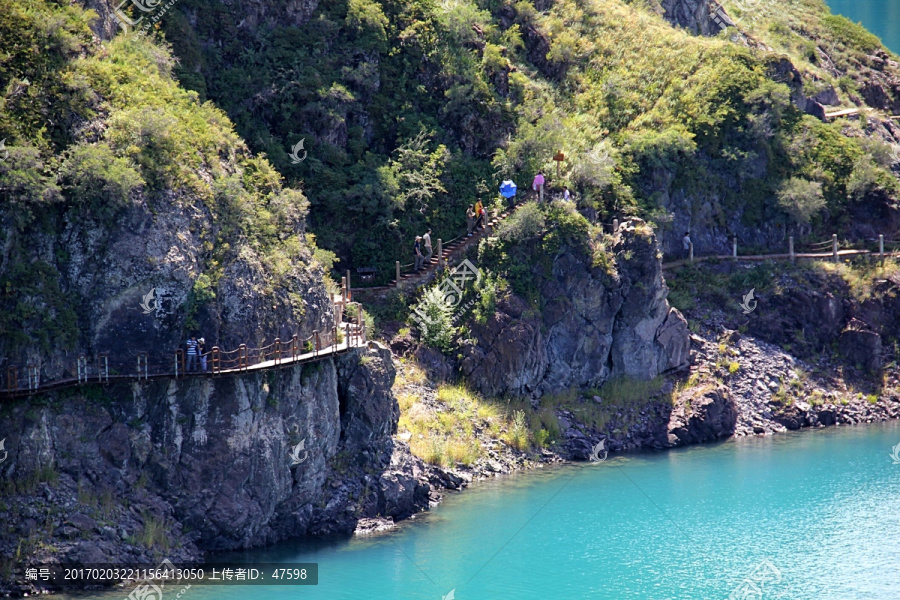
[{"x": 411, "y": 110}]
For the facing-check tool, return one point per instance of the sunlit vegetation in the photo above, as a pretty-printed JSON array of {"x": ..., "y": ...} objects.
[{"x": 413, "y": 110}]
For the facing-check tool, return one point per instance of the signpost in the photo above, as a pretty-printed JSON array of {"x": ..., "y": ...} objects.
[{"x": 559, "y": 158}]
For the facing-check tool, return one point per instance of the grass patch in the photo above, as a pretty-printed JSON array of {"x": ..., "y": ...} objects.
[
  {"x": 154, "y": 534},
  {"x": 861, "y": 275}
]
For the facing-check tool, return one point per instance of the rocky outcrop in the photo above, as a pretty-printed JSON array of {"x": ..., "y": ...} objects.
[
  {"x": 593, "y": 326},
  {"x": 140, "y": 282},
  {"x": 861, "y": 347},
  {"x": 694, "y": 15},
  {"x": 219, "y": 463},
  {"x": 703, "y": 415}
]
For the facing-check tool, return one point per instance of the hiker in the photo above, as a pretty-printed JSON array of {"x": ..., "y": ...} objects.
[
  {"x": 479, "y": 214},
  {"x": 201, "y": 352},
  {"x": 470, "y": 220},
  {"x": 687, "y": 244},
  {"x": 419, "y": 258},
  {"x": 538, "y": 184},
  {"x": 566, "y": 194},
  {"x": 428, "y": 250},
  {"x": 192, "y": 347}
]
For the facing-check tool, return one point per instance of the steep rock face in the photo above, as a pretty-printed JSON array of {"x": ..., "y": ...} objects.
[
  {"x": 693, "y": 15},
  {"x": 110, "y": 268},
  {"x": 213, "y": 456},
  {"x": 592, "y": 326}
]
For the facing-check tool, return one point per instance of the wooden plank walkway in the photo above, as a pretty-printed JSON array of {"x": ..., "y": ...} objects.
[
  {"x": 352, "y": 339},
  {"x": 847, "y": 112}
]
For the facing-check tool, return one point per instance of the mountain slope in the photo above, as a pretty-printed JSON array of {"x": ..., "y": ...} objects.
[
  {"x": 118, "y": 182},
  {"x": 412, "y": 110}
]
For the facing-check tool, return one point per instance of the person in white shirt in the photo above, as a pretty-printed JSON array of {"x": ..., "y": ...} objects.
[
  {"x": 427, "y": 240},
  {"x": 687, "y": 244}
]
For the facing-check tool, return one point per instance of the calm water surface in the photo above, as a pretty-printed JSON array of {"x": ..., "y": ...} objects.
[
  {"x": 823, "y": 507},
  {"x": 881, "y": 17}
]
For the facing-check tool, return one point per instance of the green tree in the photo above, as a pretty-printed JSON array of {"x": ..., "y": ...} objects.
[{"x": 801, "y": 199}]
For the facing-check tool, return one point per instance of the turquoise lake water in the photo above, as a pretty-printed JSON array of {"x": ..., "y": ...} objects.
[
  {"x": 822, "y": 507},
  {"x": 881, "y": 17}
]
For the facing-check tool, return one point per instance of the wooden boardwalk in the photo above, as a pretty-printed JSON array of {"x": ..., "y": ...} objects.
[{"x": 354, "y": 337}]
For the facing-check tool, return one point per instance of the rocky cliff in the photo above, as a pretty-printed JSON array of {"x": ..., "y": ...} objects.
[
  {"x": 174, "y": 468},
  {"x": 595, "y": 323}
]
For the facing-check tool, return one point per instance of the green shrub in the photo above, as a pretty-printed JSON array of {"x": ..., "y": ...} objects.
[
  {"x": 525, "y": 223},
  {"x": 801, "y": 199},
  {"x": 93, "y": 176},
  {"x": 433, "y": 317}
]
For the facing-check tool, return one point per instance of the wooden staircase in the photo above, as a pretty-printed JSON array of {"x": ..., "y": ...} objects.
[{"x": 451, "y": 249}]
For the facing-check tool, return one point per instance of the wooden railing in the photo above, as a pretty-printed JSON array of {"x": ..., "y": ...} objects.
[{"x": 217, "y": 362}]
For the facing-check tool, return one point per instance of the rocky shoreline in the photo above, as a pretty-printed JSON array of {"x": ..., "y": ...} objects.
[{"x": 768, "y": 392}]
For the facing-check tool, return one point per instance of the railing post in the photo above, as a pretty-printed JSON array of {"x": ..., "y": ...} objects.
[
  {"x": 334, "y": 339},
  {"x": 215, "y": 357},
  {"x": 398, "y": 273},
  {"x": 734, "y": 247},
  {"x": 143, "y": 371},
  {"x": 316, "y": 342},
  {"x": 242, "y": 357},
  {"x": 12, "y": 379},
  {"x": 691, "y": 251},
  {"x": 277, "y": 351},
  {"x": 881, "y": 247},
  {"x": 179, "y": 363},
  {"x": 349, "y": 288},
  {"x": 834, "y": 247},
  {"x": 791, "y": 247},
  {"x": 82, "y": 369},
  {"x": 440, "y": 264},
  {"x": 103, "y": 367},
  {"x": 33, "y": 376},
  {"x": 343, "y": 292},
  {"x": 295, "y": 347}
]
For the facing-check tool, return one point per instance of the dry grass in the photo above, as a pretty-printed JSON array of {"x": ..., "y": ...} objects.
[
  {"x": 861, "y": 275},
  {"x": 448, "y": 435}
]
